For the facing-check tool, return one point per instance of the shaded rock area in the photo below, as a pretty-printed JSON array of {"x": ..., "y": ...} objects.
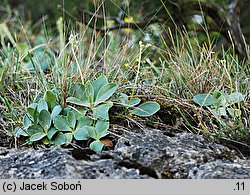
[
  {"x": 59, "y": 163},
  {"x": 146, "y": 154}
]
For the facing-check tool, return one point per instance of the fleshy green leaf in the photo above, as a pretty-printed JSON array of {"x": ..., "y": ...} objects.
[
  {"x": 98, "y": 83},
  {"x": 124, "y": 98},
  {"x": 18, "y": 132},
  {"x": 217, "y": 94},
  {"x": 66, "y": 110},
  {"x": 101, "y": 134},
  {"x": 79, "y": 112},
  {"x": 101, "y": 126},
  {"x": 61, "y": 124},
  {"x": 96, "y": 146},
  {"x": 42, "y": 105},
  {"x": 223, "y": 100},
  {"x": 89, "y": 90},
  {"x": 44, "y": 119},
  {"x": 68, "y": 137},
  {"x": 37, "y": 136},
  {"x": 81, "y": 134},
  {"x": 205, "y": 99},
  {"x": 45, "y": 141},
  {"x": 236, "y": 97},
  {"x": 52, "y": 131},
  {"x": 78, "y": 102},
  {"x": 80, "y": 90},
  {"x": 27, "y": 121},
  {"x": 56, "y": 111},
  {"x": 54, "y": 104},
  {"x": 77, "y": 90},
  {"x": 84, "y": 121},
  {"x": 49, "y": 97},
  {"x": 34, "y": 129},
  {"x": 222, "y": 111},
  {"x": 33, "y": 113},
  {"x": 39, "y": 62},
  {"x": 59, "y": 139},
  {"x": 71, "y": 119},
  {"x": 30, "y": 111},
  {"x": 146, "y": 109},
  {"x": 91, "y": 132},
  {"x": 33, "y": 105},
  {"x": 134, "y": 101},
  {"x": 89, "y": 94},
  {"x": 101, "y": 129},
  {"x": 101, "y": 111},
  {"x": 105, "y": 93}
]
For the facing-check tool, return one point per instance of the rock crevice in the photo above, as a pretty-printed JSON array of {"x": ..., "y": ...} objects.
[{"x": 150, "y": 154}]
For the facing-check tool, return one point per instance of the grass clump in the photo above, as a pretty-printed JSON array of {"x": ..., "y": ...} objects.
[
  {"x": 189, "y": 70},
  {"x": 177, "y": 71}
]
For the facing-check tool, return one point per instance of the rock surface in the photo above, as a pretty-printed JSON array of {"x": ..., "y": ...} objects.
[{"x": 148, "y": 154}]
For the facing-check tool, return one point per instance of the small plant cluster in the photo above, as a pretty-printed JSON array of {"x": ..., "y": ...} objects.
[
  {"x": 221, "y": 104},
  {"x": 86, "y": 117}
]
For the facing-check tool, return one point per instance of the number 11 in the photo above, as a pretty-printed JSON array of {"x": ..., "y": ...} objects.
[{"x": 240, "y": 186}]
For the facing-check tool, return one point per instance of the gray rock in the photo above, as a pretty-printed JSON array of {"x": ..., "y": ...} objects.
[
  {"x": 38, "y": 164},
  {"x": 183, "y": 155},
  {"x": 148, "y": 154},
  {"x": 59, "y": 164},
  {"x": 219, "y": 169}
]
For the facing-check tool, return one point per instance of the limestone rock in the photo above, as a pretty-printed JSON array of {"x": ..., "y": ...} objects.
[
  {"x": 149, "y": 153},
  {"x": 183, "y": 155},
  {"x": 59, "y": 164}
]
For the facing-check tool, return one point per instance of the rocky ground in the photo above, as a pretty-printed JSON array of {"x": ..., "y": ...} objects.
[{"x": 149, "y": 153}]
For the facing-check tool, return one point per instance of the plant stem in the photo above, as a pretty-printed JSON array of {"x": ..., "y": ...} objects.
[{"x": 138, "y": 70}]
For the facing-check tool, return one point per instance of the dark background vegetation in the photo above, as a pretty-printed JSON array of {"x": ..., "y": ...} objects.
[{"x": 221, "y": 16}]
